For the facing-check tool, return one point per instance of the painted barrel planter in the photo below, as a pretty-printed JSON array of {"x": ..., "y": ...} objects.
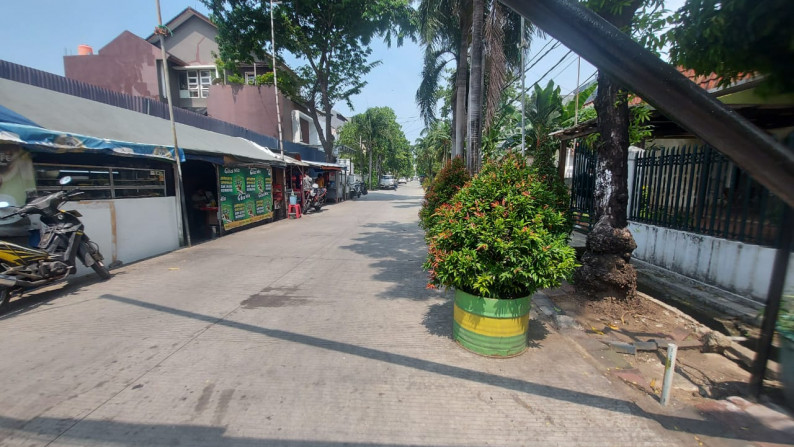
[{"x": 491, "y": 327}]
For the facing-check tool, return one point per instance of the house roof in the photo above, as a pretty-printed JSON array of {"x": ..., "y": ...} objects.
[
  {"x": 179, "y": 19},
  {"x": 72, "y": 114}
]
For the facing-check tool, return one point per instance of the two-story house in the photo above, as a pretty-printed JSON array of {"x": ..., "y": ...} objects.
[{"x": 133, "y": 65}]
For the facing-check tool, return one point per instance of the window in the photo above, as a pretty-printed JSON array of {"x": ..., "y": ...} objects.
[
  {"x": 102, "y": 182},
  {"x": 195, "y": 83},
  {"x": 250, "y": 79}
]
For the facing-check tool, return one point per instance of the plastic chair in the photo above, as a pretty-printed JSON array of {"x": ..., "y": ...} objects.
[{"x": 294, "y": 210}]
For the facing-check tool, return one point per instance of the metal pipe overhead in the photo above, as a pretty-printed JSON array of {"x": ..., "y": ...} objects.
[{"x": 662, "y": 86}]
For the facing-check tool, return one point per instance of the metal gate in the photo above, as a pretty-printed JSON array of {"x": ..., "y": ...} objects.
[{"x": 583, "y": 186}]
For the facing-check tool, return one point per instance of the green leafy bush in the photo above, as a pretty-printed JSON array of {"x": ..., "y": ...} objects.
[
  {"x": 785, "y": 318},
  {"x": 502, "y": 235},
  {"x": 447, "y": 182}
]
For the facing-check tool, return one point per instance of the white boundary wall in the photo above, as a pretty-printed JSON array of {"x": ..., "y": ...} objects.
[
  {"x": 129, "y": 230},
  {"x": 741, "y": 268}
]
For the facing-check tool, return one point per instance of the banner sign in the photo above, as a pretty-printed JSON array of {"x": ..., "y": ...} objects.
[{"x": 246, "y": 195}]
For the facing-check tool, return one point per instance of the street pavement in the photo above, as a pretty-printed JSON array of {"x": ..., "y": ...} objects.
[{"x": 315, "y": 331}]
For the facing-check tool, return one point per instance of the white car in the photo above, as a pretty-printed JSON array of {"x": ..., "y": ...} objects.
[
  {"x": 387, "y": 182},
  {"x": 402, "y": 180}
]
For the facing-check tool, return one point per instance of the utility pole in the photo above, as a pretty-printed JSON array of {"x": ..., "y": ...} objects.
[
  {"x": 278, "y": 112},
  {"x": 182, "y": 219}
]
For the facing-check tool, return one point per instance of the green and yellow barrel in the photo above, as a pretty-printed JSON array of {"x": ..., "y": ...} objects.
[{"x": 491, "y": 327}]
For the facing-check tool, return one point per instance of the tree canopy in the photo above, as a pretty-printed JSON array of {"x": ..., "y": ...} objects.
[
  {"x": 377, "y": 130},
  {"x": 332, "y": 37},
  {"x": 737, "y": 37}
]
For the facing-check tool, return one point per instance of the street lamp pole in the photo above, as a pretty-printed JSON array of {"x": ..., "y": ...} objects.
[
  {"x": 182, "y": 220},
  {"x": 278, "y": 109}
]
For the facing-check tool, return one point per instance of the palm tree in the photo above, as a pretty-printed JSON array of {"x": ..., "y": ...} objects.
[
  {"x": 440, "y": 32},
  {"x": 475, "y": 87},
  {"x": 447, "y": 36}
]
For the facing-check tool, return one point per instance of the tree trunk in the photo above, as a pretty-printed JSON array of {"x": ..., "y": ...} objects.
[
  {"x": 475, "y": 87},
  {"x": 606, "y": 272},
  {"x": 459, "y": 116}
]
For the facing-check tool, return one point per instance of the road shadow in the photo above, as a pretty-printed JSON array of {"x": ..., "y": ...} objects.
[
  {"x": 669, "y": 422},
  {"x": 117, "y": 433},
  {"x": 398, "y": 251},
  {"x": 390, "y": 196}
]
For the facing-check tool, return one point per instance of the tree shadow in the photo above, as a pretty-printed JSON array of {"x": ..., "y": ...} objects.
[
  {"x": 398, "y": 250},
  {"x": 438, "y": 319}
]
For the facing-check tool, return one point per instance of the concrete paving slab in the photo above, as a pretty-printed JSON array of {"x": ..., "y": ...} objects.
[{"x": 317, "y": 331}]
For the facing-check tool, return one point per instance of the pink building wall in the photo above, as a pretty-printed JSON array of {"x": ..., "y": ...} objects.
[
  {"x": 128, "y": 64},
  {"x": 252, "y": 107}
]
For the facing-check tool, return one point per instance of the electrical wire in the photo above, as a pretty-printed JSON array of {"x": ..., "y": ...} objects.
[
  {"x": 583, "y": 83},
  {"x": 541, "y": 58}
]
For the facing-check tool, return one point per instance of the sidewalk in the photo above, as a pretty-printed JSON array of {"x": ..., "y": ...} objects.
[{"x": 317, "y": 331}]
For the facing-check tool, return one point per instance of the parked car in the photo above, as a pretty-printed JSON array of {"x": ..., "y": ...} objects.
[
  {"x": 387, "y": 182},
  {"x": 402, "y": 180}
]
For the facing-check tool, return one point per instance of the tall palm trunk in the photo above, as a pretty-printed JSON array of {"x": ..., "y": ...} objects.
[
  {"x": 459, "y": 117},
  {"x": 475, "y": 87}
]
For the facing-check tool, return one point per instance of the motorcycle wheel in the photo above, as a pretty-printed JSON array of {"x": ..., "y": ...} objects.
[
  {"x": 5, "y": 297},
  {"x": 101, "y": 270}
]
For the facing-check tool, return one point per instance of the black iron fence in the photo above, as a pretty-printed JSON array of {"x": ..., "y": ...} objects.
[
  {"x": 583, "y": 186},
  {"x": 697, "y": 189}
]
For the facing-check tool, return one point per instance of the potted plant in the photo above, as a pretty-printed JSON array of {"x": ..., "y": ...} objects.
[
  {"x": 785, "y": 328},
  {"x": 500, "y": 239}
]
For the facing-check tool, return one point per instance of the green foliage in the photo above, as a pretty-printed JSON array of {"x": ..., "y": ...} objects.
[
  {"x": 333, "y": 37},
  {"x": 737, "y": 37},
  {"x": 502, "y": 235},
  {"x": 288, "y": 84},
  {"x": 569, "y": 113},
  {"x": 785, "y": 319},
  {"x": 446, "y": 184},
  {"x": 544, "y": 110},
  {"x": 433, "y": 148},
  {"x": 377, "y": 129}
]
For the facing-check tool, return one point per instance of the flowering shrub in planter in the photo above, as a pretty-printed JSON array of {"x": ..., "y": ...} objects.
[
  {"x": 448, "y": 181},
  {"x": 502, "y": 236}
]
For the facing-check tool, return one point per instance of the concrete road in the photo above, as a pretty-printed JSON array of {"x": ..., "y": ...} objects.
[{"x": 317, "y": 331}]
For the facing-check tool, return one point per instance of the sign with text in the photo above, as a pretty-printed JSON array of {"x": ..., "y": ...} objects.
[{"x": 246, "y": 195}]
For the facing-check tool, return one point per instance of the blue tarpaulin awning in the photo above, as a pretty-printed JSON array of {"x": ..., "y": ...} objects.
[
  {"x": 9, "y": 116},
  {"x": 46, "y": 140}
]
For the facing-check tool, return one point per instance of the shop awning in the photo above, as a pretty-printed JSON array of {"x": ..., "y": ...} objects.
[
  {"x": 46, "y": 140},
  {"x": 75, "y": 116},
  {"x": 325, "y": 166},
  {"x": 277, "y": 157},
  {"x": 9, "y": 116}
]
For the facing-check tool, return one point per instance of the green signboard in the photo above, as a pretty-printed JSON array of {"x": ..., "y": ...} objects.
[{"x": 246, "y": 195}]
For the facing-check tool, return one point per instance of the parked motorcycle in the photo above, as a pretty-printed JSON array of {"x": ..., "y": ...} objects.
[
  {"x": 62, "y": 241},
  {"x": 364, "y": 188},
  {"x": 315, "y": 198},
  {"x": 355, "y": 190}
]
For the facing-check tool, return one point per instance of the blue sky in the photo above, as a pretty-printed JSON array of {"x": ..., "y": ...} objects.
[{"x": 38, "y": 33}]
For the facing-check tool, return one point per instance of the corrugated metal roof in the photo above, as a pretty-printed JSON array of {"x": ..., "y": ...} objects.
[{"x": 62, "y": 112}]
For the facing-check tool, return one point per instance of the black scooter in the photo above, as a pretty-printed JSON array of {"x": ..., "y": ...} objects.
[{"x": 62, "y": 241}]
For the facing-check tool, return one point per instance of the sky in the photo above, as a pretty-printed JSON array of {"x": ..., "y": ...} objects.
[{"x": 38, "y": 33}]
